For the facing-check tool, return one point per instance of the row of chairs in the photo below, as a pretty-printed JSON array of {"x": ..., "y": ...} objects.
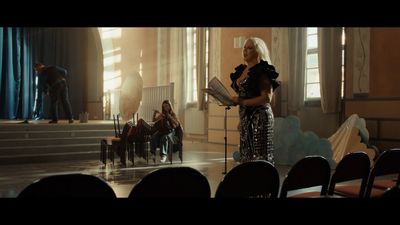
[
  {"x": 120, "y": 145},
  {"x": 356, "y": 166},
  {"x": 260, "y": 179},
  {"x": 257, "y": 179},
  {"x": 165, "y": 182}
]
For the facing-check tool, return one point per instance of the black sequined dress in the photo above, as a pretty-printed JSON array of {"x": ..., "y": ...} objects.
[{"x": 257, "y": 122}]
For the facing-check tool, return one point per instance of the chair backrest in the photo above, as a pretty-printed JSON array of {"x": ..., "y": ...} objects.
[
  {"x": 125, "y": 130},
  {"x": 353, "y": 166},
  {"x": 177, "y": 145},
  {"x": 255, "y": 179},
  {"x": 387, "y": 163},
  {"x": 68, "y": 185},
  {"x": 117, "y": 129},
  {"x": 179, "y": 133},
  {"x": 172, "y": 182},
  {"x": 122, "y": 145},
  {"x": 118, "y": 126},
  {"x": 308, "y": 172}
]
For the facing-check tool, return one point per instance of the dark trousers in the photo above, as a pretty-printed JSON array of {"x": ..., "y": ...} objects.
[
  {"x": 38, "y": 111},
  {"x": 60, "y": 92}
]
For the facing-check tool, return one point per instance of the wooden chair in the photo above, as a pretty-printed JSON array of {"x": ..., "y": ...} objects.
[
  {"x": 175, "y": 145},
  {"x": 255, "y": 179},
  {"x": 353, "y": 166},
  {"x": 310, "y": 171},
  {"x": 106, "y": 143},
  {"x": 139, "y": 140},
  {"x": 116, "y": 145}
]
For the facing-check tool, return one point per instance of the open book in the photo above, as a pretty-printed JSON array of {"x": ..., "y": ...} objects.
[{"x": 218, "y": 91}]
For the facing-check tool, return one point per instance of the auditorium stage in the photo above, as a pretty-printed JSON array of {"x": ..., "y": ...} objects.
[{"x": 39, "y": 141}]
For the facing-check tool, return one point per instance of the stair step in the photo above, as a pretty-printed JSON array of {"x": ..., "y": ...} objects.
[
  {"x": 30, "y": 142},
  {"x": 57, "y": 127},
  {"x": 49, "y": 157},
  {"x": 39, "y": 141},
  {"x": 21, "y": 150},
  {"x": 55, "y": 134}
]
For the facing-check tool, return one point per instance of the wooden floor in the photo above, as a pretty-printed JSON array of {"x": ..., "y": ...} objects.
[{"x": 207, "y": 158}]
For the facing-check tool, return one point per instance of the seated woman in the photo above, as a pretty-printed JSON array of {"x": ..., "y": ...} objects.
[{"x": 166, "y": 124}]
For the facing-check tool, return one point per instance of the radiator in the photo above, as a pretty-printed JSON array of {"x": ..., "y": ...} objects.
[{"x": 152, "y": 98}]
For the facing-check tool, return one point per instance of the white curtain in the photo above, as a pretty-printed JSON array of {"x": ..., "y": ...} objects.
[
  {"x": 330, "y": 68},
  {"x": 178, "y": 68},
  {"x": 162, "y": 56},
  {"x": 201, "y": 67},
  {"x": 297, "y": 38},
  {"x": 280, "y": 58}
]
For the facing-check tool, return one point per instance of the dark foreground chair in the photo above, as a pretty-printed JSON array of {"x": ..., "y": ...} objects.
[
  {"x": 256, "y": 179},
  {"x": 69, "y": 185},
  {"x": 311, "y": 171},
  {"x": 353, "y": 166},
  {"x": 172, "y": 182},
  {"x": 388, "y": 163}
]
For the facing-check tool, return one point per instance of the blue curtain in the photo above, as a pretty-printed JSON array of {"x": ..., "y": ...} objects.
[
  {"x": 13, "y": 81},
  {"x": 20, "y": 48}
]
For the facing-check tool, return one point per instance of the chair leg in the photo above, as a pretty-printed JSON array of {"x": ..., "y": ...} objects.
[
  {"x": 123, "y": 156},
  {"x": 181, "y": 155},
  {"x": 171, "y": 151},
  {"x": 108, "y": 152},
  {"x": 133, "y": 153},
  {"x": 112, "y": 150},
  {"x": 128, "y": 149},
  {"x": 147, "y": 153},
  {"x": 146, "y": 148},
  {"x": 102, "y": 150}
]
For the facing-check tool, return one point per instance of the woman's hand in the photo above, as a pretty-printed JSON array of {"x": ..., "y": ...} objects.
[{"x": 236, "y": 100}]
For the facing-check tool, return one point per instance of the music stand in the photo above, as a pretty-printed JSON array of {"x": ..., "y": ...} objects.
[
  {"x": 227, "y": 107},
  {"x": 226, "y": 135},
  {"x": 222, "y": 98}
]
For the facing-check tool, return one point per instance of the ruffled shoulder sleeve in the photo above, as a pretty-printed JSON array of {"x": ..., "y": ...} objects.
[
  {"x": 238, "y": 71},
  {"x": 269, "y": 70}
]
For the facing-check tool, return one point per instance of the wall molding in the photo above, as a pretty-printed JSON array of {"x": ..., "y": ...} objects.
[{"x": 361, "y": 57}]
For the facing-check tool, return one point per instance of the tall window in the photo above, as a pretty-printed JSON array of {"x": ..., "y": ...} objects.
[
  {"x": 112, "y": 74},
  {"x": 192, "y": 54},
  {"x": 207, "y": 59},
  {"x": 312, "y": 84},
  {"x": 312, "y": 71},
  {"x": 191, "y": 90}
]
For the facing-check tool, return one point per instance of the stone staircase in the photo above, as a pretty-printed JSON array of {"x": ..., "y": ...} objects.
[{"x": 39, "y": 142}]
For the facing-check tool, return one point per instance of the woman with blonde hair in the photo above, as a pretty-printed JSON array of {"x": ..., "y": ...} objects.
[{"x": 254, "y": 82}]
